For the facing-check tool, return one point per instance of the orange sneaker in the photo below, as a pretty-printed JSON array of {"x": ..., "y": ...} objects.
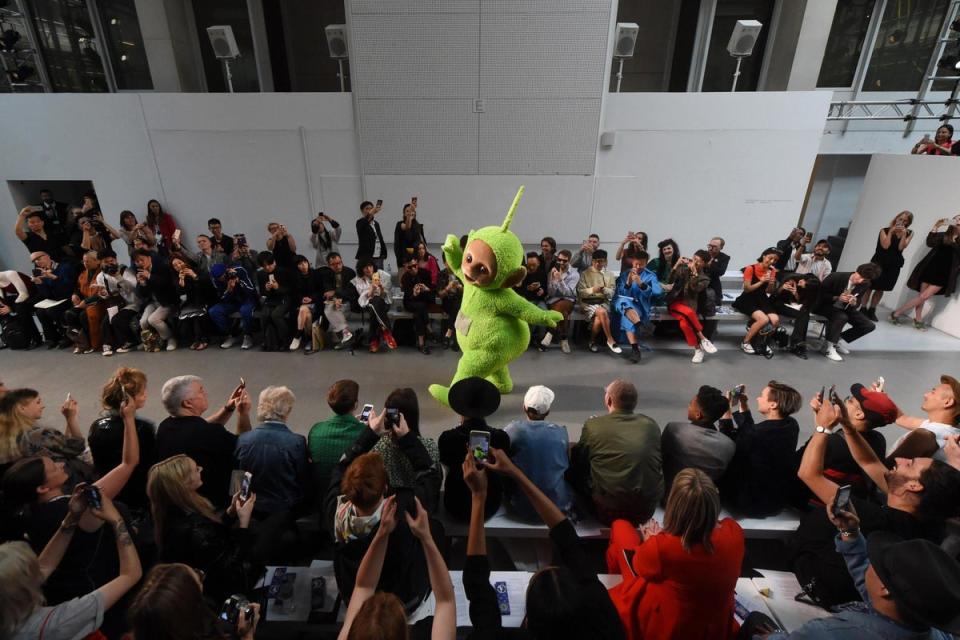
[
  {"x": 374, "y": 345},
  {"x": 389, "y": 339}
]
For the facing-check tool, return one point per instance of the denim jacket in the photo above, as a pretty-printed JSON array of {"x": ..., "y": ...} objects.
[
  {"x": 858, "y": 619},
  {"x": 277, "y": 458}
]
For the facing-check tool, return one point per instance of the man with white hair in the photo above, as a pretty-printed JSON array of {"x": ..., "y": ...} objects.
[
  {"x": 275, "y": 456},
  {"x": 206, "y": 440},
  {"x": 539, "y": 448}
]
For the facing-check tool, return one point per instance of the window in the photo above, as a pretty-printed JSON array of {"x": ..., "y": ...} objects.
[
  {"x": 298, "y": 46},
  {"x": 654, "y": 65},
  {"x": 67, "y": 40},
  {"x": 907, "y": 36},
  {"x": 125, "y": 43},
  {"x": 720, "y": 66},
  {"x": 845, "y": 43},
  {"x": 243, "y": 70}
]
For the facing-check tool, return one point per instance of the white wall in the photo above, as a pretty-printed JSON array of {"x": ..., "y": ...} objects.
[
  {"x": 684, "y": 165},
  {"x": 924, "y": 185}
]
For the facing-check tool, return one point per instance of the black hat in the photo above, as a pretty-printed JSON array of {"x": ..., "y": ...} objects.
[
  {"x": 474, "y": 398},
  {"x": 922, "y": 578}
]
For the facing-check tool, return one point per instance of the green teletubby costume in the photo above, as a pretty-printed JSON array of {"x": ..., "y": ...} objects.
[{"x": 493, "y": 323}]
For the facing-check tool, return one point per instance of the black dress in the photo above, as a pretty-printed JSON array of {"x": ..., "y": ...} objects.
[
  {"x": 756, "y": 300},
  {"x": 890, "y": 261},
  {"x": 941, "y": 266},
  {"x": 937, "y": 269}
]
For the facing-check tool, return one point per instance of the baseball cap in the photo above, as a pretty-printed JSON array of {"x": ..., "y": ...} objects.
[
  {"x": 538, "y": 398},
  {"x": 877, "y": 406},
  {"x": 217, "y": 270}
]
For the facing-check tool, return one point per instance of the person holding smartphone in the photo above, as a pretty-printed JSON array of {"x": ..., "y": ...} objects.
[
  {"x": 370, "y": 242},
  {"x": 324, "y": 236},
  {"x": 940, "y": 145},
  {"x": 83, "y": 320},
  {"x": 936, "y": 273},
  {"x": 407, "y": 234},
  {"x": 892, "y": 241}
]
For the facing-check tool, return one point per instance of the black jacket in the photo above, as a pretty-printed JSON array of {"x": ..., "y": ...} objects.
[
  {"x": 757, "y": 481},
  {"x": 405, "y": 567},
  {"x": 716, "y": 269},
  {"x": 835, "y": 284},
  {"x": 453, "y": 446},
  {"x": 106, "y": 444},
  {"x": 366, "y": 238},
  {"x": 162, "y": 285},
  {"x": 328, "y": 282},
  {"x": 280, "y": 295},
  {"x": 306, "y": 285},
  {"x": 405, "y": 241}
]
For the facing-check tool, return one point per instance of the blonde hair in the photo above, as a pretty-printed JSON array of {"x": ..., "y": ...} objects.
[
  {"x": 275, "y": 404},
  {"x": 13, "y": 422},
  {"x": 20, "y": 586},
  {"x": 133, "y": 381},
  {"x": 693, "y": 508},
  {"x": 167, "y": 489}
]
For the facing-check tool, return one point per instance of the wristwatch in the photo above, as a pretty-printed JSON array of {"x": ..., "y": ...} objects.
[{"x": 825, "y": 430}]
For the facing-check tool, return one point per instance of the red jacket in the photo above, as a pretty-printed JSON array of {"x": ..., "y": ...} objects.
[{"x": 679, "y": 594}]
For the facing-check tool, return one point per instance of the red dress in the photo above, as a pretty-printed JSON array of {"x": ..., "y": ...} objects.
[{"x": 670, "y": 593}]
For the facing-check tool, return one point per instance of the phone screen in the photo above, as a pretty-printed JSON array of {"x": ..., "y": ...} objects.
[
  {"x": 842, "y": 500},
  {"x": 379, "y": 203},
  {"x": 479, "y": 445},
  {"x": 245, "y": 486},
  {"x": 393, "y": 418},
  {"x": 365, "y": 413}
]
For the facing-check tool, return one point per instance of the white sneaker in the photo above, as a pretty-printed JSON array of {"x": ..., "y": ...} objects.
[
  {"x": 547, "y": 339},
  {"x": 707, "y": 346},
  {"x": 746, "y": 347},
  {"x": 247, "y": 342},
  {"x": 172, "y": 344},
  {"x": 229, "y": 342},
  {"x": 697, "y": 356},
  {"x": 842, "y": 349},
  {"x": 831, "y": 353},
  {"x": 107, "y": 350},
  {"x": 613, "y": 346},
  {"x": 564, "y": 346},
  {"x": 346, "y": 336},
  {"x": 295, "y": 344}
]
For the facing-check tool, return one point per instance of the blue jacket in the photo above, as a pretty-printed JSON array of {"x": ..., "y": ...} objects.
[
  {"x": 277, "y": 458},
  {"x": 636, "y": 297},
  {"x": 244, "y": 292},
  {"x": 62, "y": 287},
  {"x": 858, "y": 619}
]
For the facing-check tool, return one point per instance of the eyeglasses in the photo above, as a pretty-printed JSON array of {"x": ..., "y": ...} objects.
[
  {"x": 713, "y": 246},
  {"x": 562, "y": 261}
]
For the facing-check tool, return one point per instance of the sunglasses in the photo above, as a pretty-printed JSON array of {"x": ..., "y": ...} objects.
[{"x": 562, "y": 261}]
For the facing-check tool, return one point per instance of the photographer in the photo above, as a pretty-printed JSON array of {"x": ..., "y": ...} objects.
[
  {"x": 276, "y": 285},
  {"x": 162, "y": 225},
  {"x": 172, "y": 604},
  {"x": 324, "y": 236},
  {"x": 130, "y": 230},
  {"x": 157, "y": 287},
  {"x": 218, "y": 240},
  {"x": 205, "y": 257},
  {"x": 55, "y": 282},
  {"x": 36, "y": 237},
  {"x": 687, "y": 281},
  {"x": 337, "y": 293},
  {"x": 282, "y": 245},
  {"x": 370, "y": 242},
  {"x": 407, "y": 234},
  {"x": 403, "y": 456},
  {"x": 533, "y": 288},
  {"x": 195, "y": 292},
  {"x": 243, "y": 255},
  {"x": 95, "y": 233},
  {"x": 794, "y": 299},
  {"x": 83, "y": 320},
  {"x": 235, "y": 294},
  {"x": 636, "y": 288},
  {"x": 418, "y": 295},
  {"x": 118, "y": 288},
  {"x": 630, "y": 248}
]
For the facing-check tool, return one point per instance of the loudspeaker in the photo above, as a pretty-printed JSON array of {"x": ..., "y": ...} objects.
[
  {"x": 625, "y": 39},
  {"x": 743, "y": 38},
  {"x": 337, "y": 41},
  {"x": 223, "y": 43}
]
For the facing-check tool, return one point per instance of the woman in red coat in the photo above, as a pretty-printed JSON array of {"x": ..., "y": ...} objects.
[{"x": 678, "y": 582}]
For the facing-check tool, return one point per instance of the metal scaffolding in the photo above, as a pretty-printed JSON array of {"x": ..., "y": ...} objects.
[{"x": 907, "y": 110}]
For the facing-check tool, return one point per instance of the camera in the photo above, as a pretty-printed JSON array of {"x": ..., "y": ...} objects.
[
  {"x": 36, "y": 272},
  {"x": 235, "y": 606},
  {"x": 110, "y": 269},
  {"x": 241, "y": 239},
  {"x": 393, "y": 418}
]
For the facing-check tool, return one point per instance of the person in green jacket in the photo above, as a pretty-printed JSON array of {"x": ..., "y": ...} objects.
[{"x": 329, "y": 438}]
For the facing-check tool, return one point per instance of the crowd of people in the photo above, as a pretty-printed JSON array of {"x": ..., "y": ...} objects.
[
  {"x": 164, "y": 293},
  {"x": 160, "y": 531}
]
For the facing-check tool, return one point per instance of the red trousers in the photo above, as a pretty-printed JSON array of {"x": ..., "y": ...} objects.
[{"x": 689, "y": 322}]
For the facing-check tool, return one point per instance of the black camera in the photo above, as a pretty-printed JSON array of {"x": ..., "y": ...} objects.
[
  {"x": 231, "y": 274},
  {"x": 111, "y": 269},
  {"x": 37, "y": 272},
  {"x": 235, "y": 606},
  {"x": 393, "y": 418}
]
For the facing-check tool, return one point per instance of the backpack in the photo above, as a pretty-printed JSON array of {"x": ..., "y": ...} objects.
[
  {"x": 14, "y": 336},
  {"x": 151, "y": 340}
]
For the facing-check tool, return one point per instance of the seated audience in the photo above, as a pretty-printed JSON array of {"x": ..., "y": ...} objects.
[
  {"x": 194, "y": 290},
  {"x": 540, "y": 449},
  {"x": 403, "y": 456},
  {"x": 306, "y": 295},
  {"x": 794, "y": 299},
  {"x": 630, "y": 248},
  {"x": 534, "y": 288},
  {"x": 679, "y": 580},
  {"x": 205, "y": 257},
  {"x": 190, "y": 530},
  {"x": 942, "y": 406},
  {"x": 118, "y": 288},
  {"x": 354, "y": 510},
  {"x": 582, "y": 258},
  {"x": 686, "y": 283},
  {"x": 667, "y": 258},
  {"x": 55, "y": 282},
  {"x": 594, "y": 292},
  {"x": 758, "y": 479},
  {"x": 909, "y": 588},
  {"x": 236, "y": 293},
  {"x": 338, "y": 292},
  {"x": 206, "y": 441},
  {"x": 83, "y": 320},
  {"x": 418, "y": 295},
  {"x": 920, "y": 494},
  {"x": 636, "y": 289},
  {"x": 789, "y": 248},
  {"x": 275, "y": 455},
  {"x": 16, "y": 316},
  {"x": 616, "y": 464},
  {"x": 219, "y": 241},
  {"x": 373, "y": 295},
  {"x": 281, "y": 245},
  {"x": 107, "y": 433},
  {"x": 425, "y": 260},
  {"x": 868, "y": 411},
  {"x": 565, "y": 600},
  {"x": 561, "y": 294},
  {"x": 716, "y": 267},
  {"x": 839, "y": 298},
  {"x": 21, "y": 436},
  {"x": 157, "y": 287},
  {"x": 329, "y": 438},
  {"x": 473, "y": 399},
  {"x": 815, "y": 263},
  {"x": 698, "y": 443},
  {"x": 450, "y": 292},
  {"x": 324, "y": 236},
  {"x": 548, "y": 254},
  {"x": 26, "y": 613},
  {"x": 171, "y": 604},
  {"x": 759, "y": 280},
  {"x": 275, "y": 284}
]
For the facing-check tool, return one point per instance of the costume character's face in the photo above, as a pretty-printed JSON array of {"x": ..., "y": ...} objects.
[{"x": 479, "y": 264}]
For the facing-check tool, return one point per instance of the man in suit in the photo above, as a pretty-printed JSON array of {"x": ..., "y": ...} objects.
[
  {"x": 715, "y": 268},
  {"x": 56, "y": 213},
  {"x": 370, "y": 238},
  {"x": 839, "y": 297}
]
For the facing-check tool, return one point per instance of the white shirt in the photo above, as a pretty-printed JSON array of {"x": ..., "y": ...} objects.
[
  {"x": 363, "y": 286},
  {"x": 940, "y": 430},
  {"x": 820, "y": 268}
]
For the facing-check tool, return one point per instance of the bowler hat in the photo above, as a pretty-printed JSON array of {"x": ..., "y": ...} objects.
[{"x": 474, "y": 398}]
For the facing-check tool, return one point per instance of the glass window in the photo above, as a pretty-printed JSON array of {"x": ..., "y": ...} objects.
[
  {"x": 70, "y": 49},
  {"x": 718, "y": 72},
  {"x": 125, "y": 43},
  {"x": 842, "y": 54},
  {"x": 653, "y": 66},
  {"x": 299, "y": 56},
  {"x": 243, "y": 70},
  {"x": 908, "y": 33}
]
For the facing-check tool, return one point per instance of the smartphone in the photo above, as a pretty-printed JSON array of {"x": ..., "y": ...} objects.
[
  {"x": 503, "y": 597},
  {"x": 36, "y": 272},
  {"x": 841, "y": 501},
  {"x": 834, "y": 398},
  {"x": 92, "y": 493},
  {"x": 479, "y": 445},
  {"x": 176, "y": 235},
  {"x": 393, "y": 418},
  {"x": 879, "y": 382},
  {"x": 126, "y": 396},
  {"x": 365, "y": 412},
  {"x": 823, "y": 393},
  {"x": 413, "y": 200},
  {"x": 245, "y": 486},
  {"x": 379, "y": 203},
  {"x": 243, "y": 383}
]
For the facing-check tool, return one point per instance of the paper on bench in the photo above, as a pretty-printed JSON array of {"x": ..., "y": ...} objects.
[
  {"x": 300, "y": 611},
  {"x": 750, "y": 598},
  {"x": 517, "y": 582},
  {"x": 786, "y": 610}
]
